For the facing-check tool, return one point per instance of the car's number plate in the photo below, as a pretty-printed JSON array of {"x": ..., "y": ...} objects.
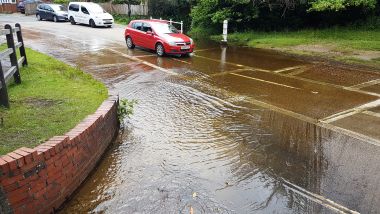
[{"x": 185, "y": 47}]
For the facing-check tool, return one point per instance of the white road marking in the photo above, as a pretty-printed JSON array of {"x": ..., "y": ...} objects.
[
  {"x": 147, "y": 55},
  {"x": 142, "y": 61},
  {"x": 327, "y": 84},
  {"x": 230, "y": 63},
  {"x": 106, "y": 65},
  {"x": 365, "y": 84},
  {"x": 349, "y": 112},
  {"x": 228, "y": 72},
  {"x": 374, "y": 114},
  {"x": 296, "y": 72},
  {"x": 274, "y": 83},
  {"x": 319, "y": 198},
  {"x": 287, "y": 69},
  {"x": 183, "y": 61}
]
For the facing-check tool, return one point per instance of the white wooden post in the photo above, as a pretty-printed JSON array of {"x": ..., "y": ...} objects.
[
  {"x": 225, "y": 29},
  {"x": 181, "y": 26}
]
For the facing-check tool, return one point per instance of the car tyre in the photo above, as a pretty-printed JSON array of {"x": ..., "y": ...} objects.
[
  {"x": 160, "y": 50},
  {"x": 186, "y": 55},
  {"x": 129, "y": 42},
  {"x": 92, "y": 23},
  {"x": 72, "y": 21},
  {"x": 55, "y": 19},
  {"x": 38, "y": 17}
]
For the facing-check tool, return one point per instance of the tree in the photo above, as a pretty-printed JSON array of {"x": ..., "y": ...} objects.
[
  {"x": 177, "y": 10},
  {"x": 211, "y": 13},
  {"x": 337, "y": 5}
]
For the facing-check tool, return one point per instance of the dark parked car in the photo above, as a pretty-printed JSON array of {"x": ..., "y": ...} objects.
[
  {"x": 21, "y": 4},
  {"x": 55, "y": 12},
  {"x": 21, "y": 7}
]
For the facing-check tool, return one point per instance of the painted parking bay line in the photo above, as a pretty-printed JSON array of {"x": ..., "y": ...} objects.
[
  {"x": 142, "y": 61},
  {"x": 349, "y": 112},
  {"x": 270, "y": 82},
  {"x": 365, "y": 84},
  {"x": 230, "y": 63},
  {"x": 183, "y": 61},
  {"x": 289, "y": 69}
]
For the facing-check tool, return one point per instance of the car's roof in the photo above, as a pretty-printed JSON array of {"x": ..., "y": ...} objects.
[
  {"x": 52, "y": 4},
  {"x": 84, "y": 3},
  {"x": 151, "y": 20}
]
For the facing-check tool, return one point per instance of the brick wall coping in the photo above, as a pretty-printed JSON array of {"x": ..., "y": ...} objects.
[{"x": 41, "y": 179}]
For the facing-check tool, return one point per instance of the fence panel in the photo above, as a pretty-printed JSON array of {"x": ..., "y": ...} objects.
[
  {"x": 30, "y": 8},
  {"x": 10, "y": 52},
  {"x": 123, "y": 8}
]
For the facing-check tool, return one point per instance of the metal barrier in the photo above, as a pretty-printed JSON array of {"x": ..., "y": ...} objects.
[{"x": 11, "y": 53}]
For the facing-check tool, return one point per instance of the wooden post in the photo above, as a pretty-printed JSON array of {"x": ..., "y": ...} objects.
[
  {"x": 4, "y": 99},
  {"x": 13, "y": 56},
  {"x": 22, "y": 48}
]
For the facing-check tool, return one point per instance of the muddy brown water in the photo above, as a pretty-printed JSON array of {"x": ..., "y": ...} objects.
[{"x": 201, "y": 141}]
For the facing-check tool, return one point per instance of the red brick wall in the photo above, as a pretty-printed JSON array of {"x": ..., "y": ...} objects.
[{"x": 39, "y": 180}]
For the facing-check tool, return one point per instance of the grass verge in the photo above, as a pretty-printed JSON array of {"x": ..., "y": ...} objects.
[
  {"x": 52, "y": 98},
  {"x": 354, "y": 45},
  {"x": 124, "y": 19}
]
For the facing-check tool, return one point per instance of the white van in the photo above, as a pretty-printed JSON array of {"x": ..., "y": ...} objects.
[{"x": 89, "y": 13}]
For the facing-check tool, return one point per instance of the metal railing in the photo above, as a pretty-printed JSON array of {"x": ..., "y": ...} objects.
[
  {"x": 171, "y": 22},
  {"x": 15, "y": 64}
]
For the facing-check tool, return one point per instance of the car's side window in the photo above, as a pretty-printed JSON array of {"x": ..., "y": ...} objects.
[
  {"x": 137, "y": 25},
  {"x": 84, "y": 10},
  {"x": 147, "y": 27},
  {"x": 74, "y": 7},
  {"x": 48, "y": 8}
]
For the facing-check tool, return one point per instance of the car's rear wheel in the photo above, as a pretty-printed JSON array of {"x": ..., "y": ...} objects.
[
  {"x": 38, "y": 17},
  {"x": 55, "y": 19},
  {"x": 129, "y": 42},
  {"x": 92, "y": 23},
  {"x": 160, "y": 49},
  {"x": 72, "y": 21}
]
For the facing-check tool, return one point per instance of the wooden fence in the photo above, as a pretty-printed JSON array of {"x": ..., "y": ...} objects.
[
  {"x": 30, "y": 8},
  {"x": 123, "y": 8},
  {"x": 15, "y": 64}
]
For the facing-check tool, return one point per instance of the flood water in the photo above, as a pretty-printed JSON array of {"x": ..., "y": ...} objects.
[{"x": 217, "y": 133}]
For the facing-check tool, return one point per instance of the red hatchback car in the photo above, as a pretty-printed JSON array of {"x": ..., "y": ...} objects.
[{"x": 158, "y": 35}]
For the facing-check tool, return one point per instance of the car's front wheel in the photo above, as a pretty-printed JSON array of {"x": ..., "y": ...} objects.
[
  {"x": 38, "y": 17},
  {"x": 129, "y": 42},
  {"x": 72, "y": 21},
  {"x": 92, "y": 23},
  {"x": 160, "y": 49}
]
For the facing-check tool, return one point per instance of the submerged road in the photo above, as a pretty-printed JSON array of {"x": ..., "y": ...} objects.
[{"x": 227, "y": 130}]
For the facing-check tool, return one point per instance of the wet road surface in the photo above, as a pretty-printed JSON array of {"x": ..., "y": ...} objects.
[{"x": 227, "y": 130}]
